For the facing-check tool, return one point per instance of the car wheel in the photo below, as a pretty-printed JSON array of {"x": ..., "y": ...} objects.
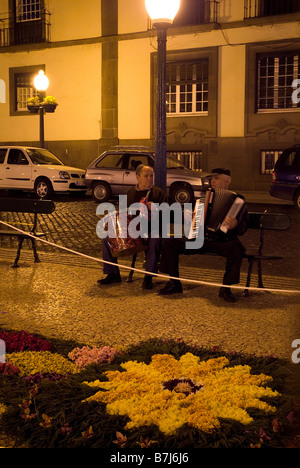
[
  {"x": 182, "y": 194},
  {"x": 43, "y": 188},
  {"x": 297, "y": 200},
  {"x": 101, "y": 191}
]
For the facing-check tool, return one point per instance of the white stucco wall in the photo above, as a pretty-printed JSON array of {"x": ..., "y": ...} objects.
[
  {"x": 134, "y": 89},
  {"x": 74, "y": 19},
  {"x": 231, "y": 92},
  {"x": 75, "y": 76}
]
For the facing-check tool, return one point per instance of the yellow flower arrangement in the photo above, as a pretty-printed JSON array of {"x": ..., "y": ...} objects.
[
  {"x": 203, "y": 392},
  {"x": 33, "y": 362},
  {"x": 2, "y": 408}
]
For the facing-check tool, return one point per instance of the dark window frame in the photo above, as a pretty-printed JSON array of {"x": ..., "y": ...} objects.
[{"x": 13, "y": 73}]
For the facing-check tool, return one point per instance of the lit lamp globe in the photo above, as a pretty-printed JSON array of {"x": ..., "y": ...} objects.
[
  {"x": 162, "y": 11},
  {"x": 41, "y": 82}
]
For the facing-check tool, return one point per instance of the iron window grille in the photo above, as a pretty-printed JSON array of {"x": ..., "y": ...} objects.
[
  {"x": 275, "y": 76},
  {"x": 191, "y": 159},
  {"x": 28, "y": 10},
  {"x": 268, "y": 160}
]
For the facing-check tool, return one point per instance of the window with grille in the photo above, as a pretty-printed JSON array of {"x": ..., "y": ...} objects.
[
  {"x": 28, "y": 10},
  {"x": 268, "y": 160},
  {"x": 24, "y": 90},
  {"x": 187, "y": 88},
  {"x": 275, "y": 77},
  {"x": 21, "y": 88},
  {"x": 191, "y": 159}
]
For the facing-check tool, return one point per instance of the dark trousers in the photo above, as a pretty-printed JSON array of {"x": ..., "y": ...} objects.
[
  {"x": 153, "y": 254},
  {"x": 232, "y": 250}
]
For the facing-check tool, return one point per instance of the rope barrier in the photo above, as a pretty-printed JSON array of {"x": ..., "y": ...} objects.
[{"x": 167, "y": 277}]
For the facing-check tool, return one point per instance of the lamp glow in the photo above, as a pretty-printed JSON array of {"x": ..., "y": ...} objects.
[
  {"x": 41, "y": 82},
  {"x": 162, "y": 11}
]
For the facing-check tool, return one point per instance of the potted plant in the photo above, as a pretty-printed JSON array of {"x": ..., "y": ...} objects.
[
  {"x": 33, "y": 104},
  {"x": 49, "y": 103}
]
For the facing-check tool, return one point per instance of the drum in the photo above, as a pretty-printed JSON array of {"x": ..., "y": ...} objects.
[{"x": 119, "y": 241}]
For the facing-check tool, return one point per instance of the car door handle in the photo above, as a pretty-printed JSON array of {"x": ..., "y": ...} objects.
[
  {"x": 127, "y": 172},
  {"x": 8, "y": 168}
]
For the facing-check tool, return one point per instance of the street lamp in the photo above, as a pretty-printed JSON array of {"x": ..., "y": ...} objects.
[
  {"x": 162, "y": 13},
  {"x": 41, "y": 84}
]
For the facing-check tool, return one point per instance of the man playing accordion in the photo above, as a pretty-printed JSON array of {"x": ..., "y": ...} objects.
[
  {"x": 226, "y": 244},
  {"x": 147, "y": 193}
]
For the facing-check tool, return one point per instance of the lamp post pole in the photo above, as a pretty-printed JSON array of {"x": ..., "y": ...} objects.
[
  {"x": 42, "y": 127},
  {"x": 162, "y": 13},
  {"x": 161, "y": 129},
  {"x": 41, "y": 84}
]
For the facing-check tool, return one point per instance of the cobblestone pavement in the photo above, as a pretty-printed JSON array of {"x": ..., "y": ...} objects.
[{"x": 60, "y": 297}]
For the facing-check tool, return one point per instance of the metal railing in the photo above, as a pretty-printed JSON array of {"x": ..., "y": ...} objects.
[
  {"x": 26, "y": 32},
  {"x": 259, "y": 8}
]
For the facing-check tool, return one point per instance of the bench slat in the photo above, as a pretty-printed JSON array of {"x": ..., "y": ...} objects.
[
  {"x": 20, "y": 205},
  {"x": 269, "y": 221}
]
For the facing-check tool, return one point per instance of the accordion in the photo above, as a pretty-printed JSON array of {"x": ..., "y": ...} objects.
[{"x": 213, "y": 208}]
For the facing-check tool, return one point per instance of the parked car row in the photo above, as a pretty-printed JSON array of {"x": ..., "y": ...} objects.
[{"x": 112, "y": 173}]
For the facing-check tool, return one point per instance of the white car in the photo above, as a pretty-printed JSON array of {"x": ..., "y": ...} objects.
[{"x": 36, "y": 169}]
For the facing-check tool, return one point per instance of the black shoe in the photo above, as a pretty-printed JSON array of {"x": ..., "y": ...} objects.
[
  {"x": 147, "y": 282},
  {"x": 226, "y": 294},
  {"x": 110, "y": 278},
  {"x": 171, "y": 287}
]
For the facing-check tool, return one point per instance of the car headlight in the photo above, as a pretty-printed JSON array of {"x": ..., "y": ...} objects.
[{"x": 64, "y": 175}]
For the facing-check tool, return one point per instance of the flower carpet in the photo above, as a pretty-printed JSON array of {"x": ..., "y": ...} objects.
[{"x": 159, "y": 394}]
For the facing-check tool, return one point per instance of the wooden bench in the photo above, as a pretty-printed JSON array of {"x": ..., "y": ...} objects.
[
  {"x": 34, "y": 207},
  {"x": 260, "y": 221}
]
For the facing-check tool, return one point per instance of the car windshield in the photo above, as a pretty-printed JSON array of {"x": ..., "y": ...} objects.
[{"x": 42, "y": 156}]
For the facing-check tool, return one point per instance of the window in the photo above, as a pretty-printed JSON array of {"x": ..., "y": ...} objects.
[
  {"x": 268, "y": 160},
  {"x": 17, "y": 157},
  {"x": 111, "y": 160},
  {"x": 275, "y": 75},
  {"x": 22, "y": 88},
  {"x": 28, "y": 10},
  {"x": 2, "y": 155},
  {"x": 256, "y": 8},
  {"x": 137, "y": 159},
  {"x": 292, "y": 160},
  {"x": 187, "y": 88}
]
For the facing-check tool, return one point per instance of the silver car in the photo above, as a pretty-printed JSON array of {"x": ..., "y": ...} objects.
[{"x": 113, "y": 173}]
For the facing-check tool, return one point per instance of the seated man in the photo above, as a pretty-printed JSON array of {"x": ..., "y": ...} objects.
[
  {"x": 227, "y": 245},
  {"x": 144, "y": 188}
]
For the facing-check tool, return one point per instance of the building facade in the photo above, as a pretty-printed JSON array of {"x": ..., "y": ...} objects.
[{"x": 233, "y": 74}]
